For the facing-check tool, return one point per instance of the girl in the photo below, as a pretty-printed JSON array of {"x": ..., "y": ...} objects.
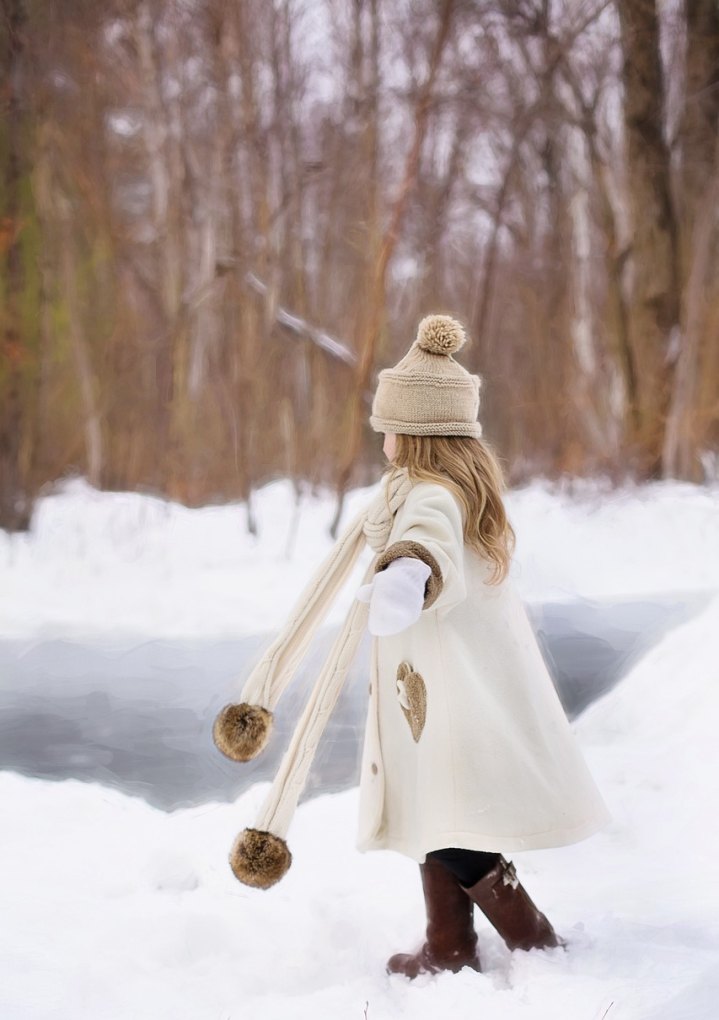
[{"x": 467, "y": 754}]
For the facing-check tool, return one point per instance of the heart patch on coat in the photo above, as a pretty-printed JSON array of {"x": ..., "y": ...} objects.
[{"x": 412, "y": 695}]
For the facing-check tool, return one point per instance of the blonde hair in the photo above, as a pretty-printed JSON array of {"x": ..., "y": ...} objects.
[{"x": 470, "y": 468}]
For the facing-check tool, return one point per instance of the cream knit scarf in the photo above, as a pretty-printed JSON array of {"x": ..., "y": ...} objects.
[{"x": 260, "y": 856}]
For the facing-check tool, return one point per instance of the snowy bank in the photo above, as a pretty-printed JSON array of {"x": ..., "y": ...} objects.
[
  {"x": 113, "y": 909},
  {"x": 122, "y": 564}
]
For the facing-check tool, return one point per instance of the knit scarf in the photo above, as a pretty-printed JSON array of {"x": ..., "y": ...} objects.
[{"x": 260, "y": 855}]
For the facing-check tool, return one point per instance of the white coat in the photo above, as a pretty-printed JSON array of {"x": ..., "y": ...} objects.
[{"x": 466, "y": 742}]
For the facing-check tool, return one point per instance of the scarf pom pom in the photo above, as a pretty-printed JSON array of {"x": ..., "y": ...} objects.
[
  {"x": 242, "y": 731},
  {"x": 259, "y": 858}
]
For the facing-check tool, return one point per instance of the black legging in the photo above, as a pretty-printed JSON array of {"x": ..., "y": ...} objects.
[{"x": 468, "y": 866}]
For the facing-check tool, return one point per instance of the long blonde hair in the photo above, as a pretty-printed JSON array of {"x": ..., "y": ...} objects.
[{"x": 470, "y": 468}]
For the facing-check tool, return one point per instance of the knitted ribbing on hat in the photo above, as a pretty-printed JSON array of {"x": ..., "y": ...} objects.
[
  {"x": 270, "y": 677},
  {"x": 427, "y": 392}
]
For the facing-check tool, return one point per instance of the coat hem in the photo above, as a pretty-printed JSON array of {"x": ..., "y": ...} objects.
[{"x": 498, "y": 844}]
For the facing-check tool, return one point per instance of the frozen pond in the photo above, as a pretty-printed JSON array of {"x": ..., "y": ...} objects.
[{"x": 138, "y": 715}]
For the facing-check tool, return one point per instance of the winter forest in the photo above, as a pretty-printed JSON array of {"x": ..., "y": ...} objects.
[{"x": 221, "y": 219}]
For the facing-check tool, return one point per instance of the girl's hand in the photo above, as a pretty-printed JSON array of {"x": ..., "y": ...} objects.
[{"x": 395, "y": 595}]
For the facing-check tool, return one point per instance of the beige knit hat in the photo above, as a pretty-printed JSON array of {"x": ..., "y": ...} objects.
[{"x": 428, "y": 393}]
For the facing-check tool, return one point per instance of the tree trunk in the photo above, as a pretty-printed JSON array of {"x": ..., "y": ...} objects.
[
  {"x": 686, "y": 427},
  {"x": 689, "y": 418},
  {"x": 16, "y": 359},
  {"x": 653, "y": 308},
  {"x": 91, "y": 424}
]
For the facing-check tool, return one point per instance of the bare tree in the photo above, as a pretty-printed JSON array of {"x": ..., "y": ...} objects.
[
  {"x": 372, "y": 321},
  {"x": 653, "y": 308},
  {"x": 18, "y": 356},
  {"x": 220, "y": 219},
  {"x": 694, "y": 409}
]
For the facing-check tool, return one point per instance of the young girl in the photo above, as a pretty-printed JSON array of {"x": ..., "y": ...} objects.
[{"x": 468, "y": 754}]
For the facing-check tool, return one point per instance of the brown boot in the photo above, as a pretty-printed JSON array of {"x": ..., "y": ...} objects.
[
  {"x": 451, "y": 941},
  {"x": 506, "y": 904}
]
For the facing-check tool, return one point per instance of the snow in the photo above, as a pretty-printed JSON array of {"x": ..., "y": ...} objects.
[
  {"x": 113, "y": 909},
  {"x": 100, "y": 564}
]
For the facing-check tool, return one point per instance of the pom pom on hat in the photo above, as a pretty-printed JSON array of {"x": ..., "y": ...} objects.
[
  {"x": 440, "y": 334},
  {"x": 259, "y": 859},
  {"x": 242, "y": 731}
]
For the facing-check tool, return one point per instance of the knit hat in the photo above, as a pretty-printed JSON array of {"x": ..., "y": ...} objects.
[{"x": 428, "y": 393}]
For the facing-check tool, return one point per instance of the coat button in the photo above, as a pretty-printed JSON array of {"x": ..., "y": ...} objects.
[{"x": 374, "y": 768}]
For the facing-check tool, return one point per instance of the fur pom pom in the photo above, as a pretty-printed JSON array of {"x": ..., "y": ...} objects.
[
  {"x": 242, "y": 731},
  {"x": 440, "y": 334},
  {"x": 259, "y": 859}
]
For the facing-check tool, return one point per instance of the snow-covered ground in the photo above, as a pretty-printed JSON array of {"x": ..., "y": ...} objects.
[
  {"x": 114, "y": 564},
  {"x": 114, "y": 910}
]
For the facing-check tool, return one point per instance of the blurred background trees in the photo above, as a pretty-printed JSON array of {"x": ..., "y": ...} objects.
[{"x": 219, "y": 220}]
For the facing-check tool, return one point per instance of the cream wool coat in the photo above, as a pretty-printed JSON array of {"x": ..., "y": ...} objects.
[{"x": 466, "y": 742}]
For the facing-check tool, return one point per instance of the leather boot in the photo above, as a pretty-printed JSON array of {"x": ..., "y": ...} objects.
[
  {"x": 451, "y": 941},
  {"x": 506, "y": 904}
]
